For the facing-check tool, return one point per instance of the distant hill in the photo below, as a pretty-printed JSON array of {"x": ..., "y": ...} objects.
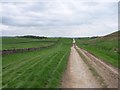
[
  {"x": 114, "y": 35},
  {"x": 30, "y": 36},
  {"x": 111, "y": 40},
  {"x": 105, "y": 47}
]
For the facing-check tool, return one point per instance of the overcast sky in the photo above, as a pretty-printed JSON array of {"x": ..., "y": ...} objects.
[{"x": 58, "y": 18}]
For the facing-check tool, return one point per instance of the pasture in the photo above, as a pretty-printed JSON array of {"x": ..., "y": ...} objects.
[
  {"x": 18, "y": 43},
  {"x": 36, "y": 69},
  {"x": 105, "y": 48},
  {"x": 44, "y": 68}
]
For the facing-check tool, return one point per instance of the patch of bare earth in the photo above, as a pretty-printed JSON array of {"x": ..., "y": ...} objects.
[
  {"x": 106, "y": 71},
  {"x": 78, "y": 74}
]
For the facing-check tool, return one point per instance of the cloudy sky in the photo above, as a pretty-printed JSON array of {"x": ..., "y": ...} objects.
[{"x": 58, "y": 18}]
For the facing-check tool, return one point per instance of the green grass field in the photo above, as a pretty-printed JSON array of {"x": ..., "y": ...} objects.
[
  {"x": 18, "y": 43},
  {"x": 44, "y": 68},
  {"x": 36, "y": 69},
  {"x": 105, "y": 48}
]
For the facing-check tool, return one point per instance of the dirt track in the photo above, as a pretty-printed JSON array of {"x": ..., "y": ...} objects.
[
  {"x": 78, "y": 74},
  {"x": 106, "y": 71}
]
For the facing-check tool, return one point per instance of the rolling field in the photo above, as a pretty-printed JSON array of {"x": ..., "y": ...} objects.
[
  {"x": 105, "y": 47},
  {"x": 45, "y": 68},
  {"x": 36, "y": 69},
  {"x": 18, "y": 43}
]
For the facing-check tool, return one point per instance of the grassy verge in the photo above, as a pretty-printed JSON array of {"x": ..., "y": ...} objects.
[
  {"x": 37, "y": 69},
  {"x": 106, "y": 50},
  {"x": 94, "y": 72}
]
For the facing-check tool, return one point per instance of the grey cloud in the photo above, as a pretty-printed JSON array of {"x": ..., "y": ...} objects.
[{"x": 63, "y": 14}]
